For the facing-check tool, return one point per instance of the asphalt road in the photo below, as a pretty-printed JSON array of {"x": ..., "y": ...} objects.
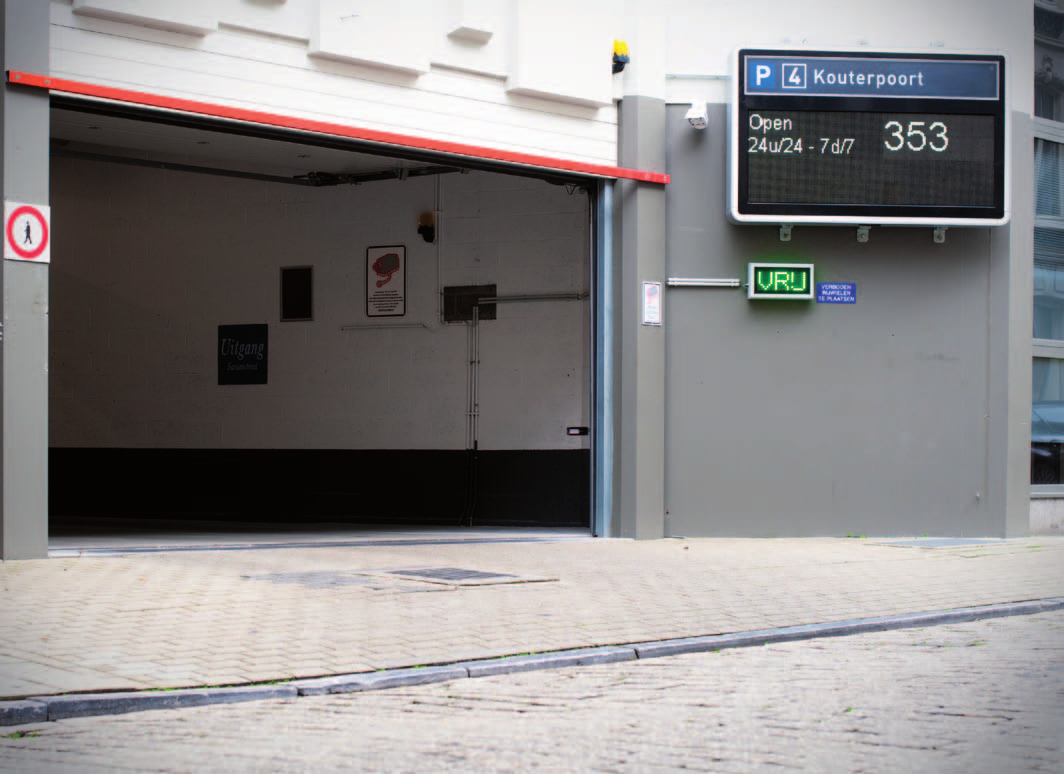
[{"x": 979, "y": 697}]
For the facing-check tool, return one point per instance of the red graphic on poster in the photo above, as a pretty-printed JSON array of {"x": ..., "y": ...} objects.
[
  {"x": 386, "y": 281},
  {"x": 386, "y": 266}
]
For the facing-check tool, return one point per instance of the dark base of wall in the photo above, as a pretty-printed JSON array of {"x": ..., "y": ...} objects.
[{"x": 518, "y": 488}]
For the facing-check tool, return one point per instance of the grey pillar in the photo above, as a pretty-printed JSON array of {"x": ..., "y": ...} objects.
[
  {"x": 24, "y": 336},
  {"x": 640, "y": 441},
  {"x": 1010, "y": 311}
]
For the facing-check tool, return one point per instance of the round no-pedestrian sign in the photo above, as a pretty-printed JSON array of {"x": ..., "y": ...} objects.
[{"x": 27, "y": 232}]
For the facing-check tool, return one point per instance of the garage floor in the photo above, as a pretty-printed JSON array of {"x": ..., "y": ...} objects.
[{"x": 118, "y": 536}]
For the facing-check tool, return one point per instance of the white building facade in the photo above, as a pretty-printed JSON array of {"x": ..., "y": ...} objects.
[{"x": 410, "y": 262}]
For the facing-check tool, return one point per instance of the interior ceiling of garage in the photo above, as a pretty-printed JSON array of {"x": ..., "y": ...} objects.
[{"x": 177, "y": 142}]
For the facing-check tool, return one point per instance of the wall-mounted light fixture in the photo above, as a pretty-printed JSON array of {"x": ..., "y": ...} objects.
[
  {"x": 426, "y": 226},
  {"x": 620, "y": 56}
]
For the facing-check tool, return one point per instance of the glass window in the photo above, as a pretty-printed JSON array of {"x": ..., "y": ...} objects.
[
  {"x": 1047, "y": 393},
  {"x": 1048, "y": 23},
  {"x": 1047, "y": 420},
  {"x": 1048, "y": 58},
  {"x": 1045, "y": 102},
  {"x": 1047, "y": 180},
  {"x": 1049, "y": 284}
]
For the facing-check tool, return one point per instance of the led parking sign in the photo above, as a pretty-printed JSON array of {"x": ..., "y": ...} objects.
[
  {"x": 780, "y": 281},
  {"x": 820, "y": 137}
]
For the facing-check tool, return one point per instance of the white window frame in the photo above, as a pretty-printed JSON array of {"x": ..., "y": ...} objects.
[{"x": 1053, "y": 131}]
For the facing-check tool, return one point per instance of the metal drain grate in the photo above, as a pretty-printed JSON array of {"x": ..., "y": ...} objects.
[
  {"x": 455, "y": 576},
  {"x": 451, "y": 574}
]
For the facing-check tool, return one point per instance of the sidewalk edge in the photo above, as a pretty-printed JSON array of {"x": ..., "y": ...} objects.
[
  {"x": 38, "y": 709},
  {"x": 842, "y": 628}
]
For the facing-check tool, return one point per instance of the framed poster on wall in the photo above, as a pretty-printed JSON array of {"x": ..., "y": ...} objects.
[
  {"x": 386, "y": 281},
  {"x": 243, "y": 354}
]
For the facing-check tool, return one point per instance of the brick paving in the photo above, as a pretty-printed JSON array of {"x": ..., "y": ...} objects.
[
  {"x": 975, "y": 698},
  {"x": 220, "y": 617}
]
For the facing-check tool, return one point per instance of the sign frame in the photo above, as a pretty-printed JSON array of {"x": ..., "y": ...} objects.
[
  {"x": 243, "y": 354},
  {"x": 836, "y": 293},
  {"x": 38, "y": 236},
  {"x": 859, "y": 102},
  {"x": 652, "y": 303},
  {"x": 754, "y": 294},
  {"x": 386, "y": 281}
]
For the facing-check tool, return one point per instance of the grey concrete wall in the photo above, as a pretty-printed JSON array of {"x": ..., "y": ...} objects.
[
  {"x": 640, "y": 438},
  {"x": 1010, "y": 329},
  {"x": 798, "y": 418},
  {"x": 24, "y": 335}
]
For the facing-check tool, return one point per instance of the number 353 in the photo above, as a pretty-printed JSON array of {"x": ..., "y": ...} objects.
[{"x": 916, "y": 136}]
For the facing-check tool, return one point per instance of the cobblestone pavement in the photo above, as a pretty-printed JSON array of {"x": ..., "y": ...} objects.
[
  {"x": 968, "y": 698},
  {"x": 195, "y": 618}
]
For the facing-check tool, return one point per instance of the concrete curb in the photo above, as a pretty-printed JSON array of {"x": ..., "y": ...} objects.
[
  {"x": 401, "y": 678},
  {"x": 38, "y": 709},
  {"x": 841, "y": 628},
  {"x": 376, "y": 681},
  {"x": 85, "y": 705},
  {"x": 17, "y": 713},
  {"x": 556, "y": 660}
]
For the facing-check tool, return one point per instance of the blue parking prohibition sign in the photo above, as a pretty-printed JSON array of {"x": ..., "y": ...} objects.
[
  {"x": 793, "y": 75},
  {"x": 836, "y": 292}
]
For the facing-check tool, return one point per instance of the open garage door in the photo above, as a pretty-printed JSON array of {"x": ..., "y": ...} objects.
[{"x": 253, "y": 325}]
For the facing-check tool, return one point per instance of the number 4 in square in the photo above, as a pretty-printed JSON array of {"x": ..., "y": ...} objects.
[{"x": 794, "y": 75}]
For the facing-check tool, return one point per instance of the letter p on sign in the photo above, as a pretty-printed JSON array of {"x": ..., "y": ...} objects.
[{"x": 763, "y": 73}]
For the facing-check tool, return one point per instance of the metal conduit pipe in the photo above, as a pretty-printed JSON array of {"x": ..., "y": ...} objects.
[
  {"x": 472, "y": 419},
  {"x": 535, "y": 297}
]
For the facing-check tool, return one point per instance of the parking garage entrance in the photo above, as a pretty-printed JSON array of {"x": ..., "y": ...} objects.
[{"x": 254, "y": 324}]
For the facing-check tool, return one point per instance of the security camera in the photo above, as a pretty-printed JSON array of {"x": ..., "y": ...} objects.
[{"x": 698, "y": 115}]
